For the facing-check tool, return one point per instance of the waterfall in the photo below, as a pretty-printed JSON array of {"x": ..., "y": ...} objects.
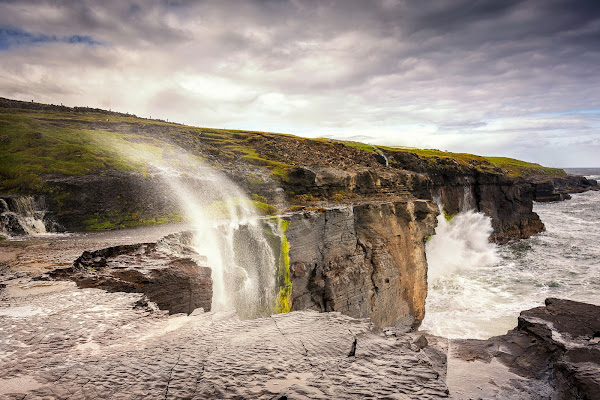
[
  {"x": 382, "y": 159},
  {"x": 228, "y": 232},
  {"x": 242, "y": 249},
  {"x": 468, "y": 200},
  {"x": 22, "y": 215}
]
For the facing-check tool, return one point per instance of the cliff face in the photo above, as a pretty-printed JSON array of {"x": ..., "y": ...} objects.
[
  {"x": 508, "y": 201},
  {"x": 364, "y": 260},
  {"x": 107, "y": 201},
  {"x": 360, "y": 251},
  {"x": 476, "y": 185}
]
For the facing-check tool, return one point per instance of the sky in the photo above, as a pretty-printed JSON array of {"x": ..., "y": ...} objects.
[{"x": 500, "y": 77}]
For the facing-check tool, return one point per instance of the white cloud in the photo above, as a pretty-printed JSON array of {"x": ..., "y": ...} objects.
[{"x": 496, "y": 78}]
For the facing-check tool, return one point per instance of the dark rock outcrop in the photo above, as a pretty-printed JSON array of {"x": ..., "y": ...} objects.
[
  {"x": 559, "y": 188},
  {"x": 174, "y": 283},
  {"x": 365, "y": 260},
  {"x": 507, "y": 201},
  {"x": 115, "y": 195},
  {"x": 557, "y": 345}
]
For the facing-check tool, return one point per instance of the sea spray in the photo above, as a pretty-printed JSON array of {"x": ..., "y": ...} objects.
[
  {"x": 459, "y": 249},
  {"x": 560, "y": 262},
  {"x": 227, "y": 230},
  {"x": 460, "y": 243}
]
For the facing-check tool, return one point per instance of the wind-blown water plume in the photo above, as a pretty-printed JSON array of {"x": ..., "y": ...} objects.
[
  {"x": 237, "y": 243},
  {"x": 460, "y": 243},
  {"x": 458, "y": 250},
  {"x": 484, "y": 301}
]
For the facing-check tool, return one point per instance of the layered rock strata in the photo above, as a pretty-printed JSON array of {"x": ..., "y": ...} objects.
[
  {"x": 507, "y": 200},
  {"x": 555, "y": 348},
  {"x": 76, "y": 201},
  {"x": 176, "y": 284},
  {"x": 364, "y": 260},
  {"x": 560, "y": 188},
  {"x": 89, "y": 344}
]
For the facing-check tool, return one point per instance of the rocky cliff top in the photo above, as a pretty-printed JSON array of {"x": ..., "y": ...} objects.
[
  {"x": 50, "y": 139},
  {"x": 88, "y": 164}
]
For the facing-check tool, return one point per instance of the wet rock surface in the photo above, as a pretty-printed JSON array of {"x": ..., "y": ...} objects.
[
  {"x": 174, "y": 283},
  {"x": 58, "y": 342},
  {"x": 554, "y": 351},
  {"x": 90, "y": 344}
]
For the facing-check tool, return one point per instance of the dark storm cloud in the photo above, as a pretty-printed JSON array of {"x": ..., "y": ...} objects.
[{"x": 405, "y": 72}]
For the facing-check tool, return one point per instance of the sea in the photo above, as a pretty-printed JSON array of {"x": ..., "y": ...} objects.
[{"x": 477, "y": 289}]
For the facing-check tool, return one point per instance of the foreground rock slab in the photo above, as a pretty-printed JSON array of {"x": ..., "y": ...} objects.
[
  {"x": 89, "y": 344},
  {"x": 174, "y": 283},
  {"x": 554, "y": 353}
]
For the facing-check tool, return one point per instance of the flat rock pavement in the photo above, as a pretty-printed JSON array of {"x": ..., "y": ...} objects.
[{"x": 59, "y": 342}]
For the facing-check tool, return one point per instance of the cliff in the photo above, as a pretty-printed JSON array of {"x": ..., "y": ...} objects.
[
  {"x": 558, "y": 188},
  {"x": 364, "y": 260},
  {"x": 359, "y": 215},
  {"x": 83, "y": 161}
]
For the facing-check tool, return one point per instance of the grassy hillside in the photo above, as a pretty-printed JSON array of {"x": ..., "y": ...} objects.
[
  {"x": 38, "y": 139},
  {"x": 37, "y": 142},
  {"x": 509, "y": 166}
]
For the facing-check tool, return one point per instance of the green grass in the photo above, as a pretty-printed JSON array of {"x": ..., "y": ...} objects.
[
  {"x": 38, "y": 142},
  {"x": 512, "y": 166},
  {"x": 32, "y": 147},
  {"x": 360, "y": 146},
  {"x": 509, "y": 166},
  {"x": 114, "y": 220}
]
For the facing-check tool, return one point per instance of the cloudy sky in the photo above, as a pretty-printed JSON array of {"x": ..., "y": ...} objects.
[{"x": 498, "y": 77}]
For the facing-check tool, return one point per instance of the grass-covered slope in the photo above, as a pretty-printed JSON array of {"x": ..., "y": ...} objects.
[
  {"x": 437, "y": 158},
  {"x": 38, "y": 139},
  {"x": 42, "y": 144},
  {"x": 35, "y": 142}
]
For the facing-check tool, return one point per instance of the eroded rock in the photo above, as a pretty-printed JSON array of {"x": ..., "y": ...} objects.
[
  {"x": 555, "y": 348},
  {"x": 61, "y": 347},
  {"x": 174, "y": 283},
  {"x": 364, "y": 260}
]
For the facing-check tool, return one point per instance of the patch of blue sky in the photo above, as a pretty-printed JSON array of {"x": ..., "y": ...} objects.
[
  {"x": 589, "y": 111},
  {"x": 15, "y": 37}
]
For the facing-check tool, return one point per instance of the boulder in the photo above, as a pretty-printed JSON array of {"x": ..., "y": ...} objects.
[{"x": 174, "y": 283}]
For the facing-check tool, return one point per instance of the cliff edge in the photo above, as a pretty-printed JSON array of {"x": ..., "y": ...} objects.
[{"x": 359, "y": 214}]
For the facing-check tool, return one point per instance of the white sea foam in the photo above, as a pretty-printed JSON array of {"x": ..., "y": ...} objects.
[
  {"x": 460, "y": 244},
  {"x": 471, "y": 296}
]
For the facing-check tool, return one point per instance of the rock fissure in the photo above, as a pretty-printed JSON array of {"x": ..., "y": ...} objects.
[{"x": 171, "y": 376}]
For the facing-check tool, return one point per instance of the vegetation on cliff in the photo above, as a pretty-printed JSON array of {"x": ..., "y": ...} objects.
[
  {"x": 39, "y": 142},
  {"x": 38, "y": 139},
  {"x": 437, "y": 159}
]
